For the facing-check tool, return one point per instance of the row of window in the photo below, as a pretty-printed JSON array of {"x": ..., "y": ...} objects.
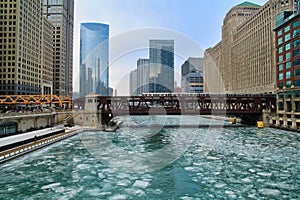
[
  {"x": 288, "y": 74},
  {"x": 288, "y": 84},
  {"x": 288, "y": 28},
  {"x": 288, "y": 55},
  {"x": 289, "y": 94}
]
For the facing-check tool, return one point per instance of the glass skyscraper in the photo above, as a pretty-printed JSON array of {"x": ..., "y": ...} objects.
[
  {"x": 94, "y": 55},
  {"x": 161, "y": 61}
]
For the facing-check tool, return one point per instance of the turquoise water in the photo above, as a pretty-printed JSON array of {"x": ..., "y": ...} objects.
[{"x": 160, "y": 163}]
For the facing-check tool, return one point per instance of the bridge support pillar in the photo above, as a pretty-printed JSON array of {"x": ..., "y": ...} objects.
[
  {"x": 267, "y": 117},
  {"x": 294, "y": 123}
]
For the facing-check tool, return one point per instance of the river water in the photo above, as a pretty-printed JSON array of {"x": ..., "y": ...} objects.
[{"x": 158, "y": 162}]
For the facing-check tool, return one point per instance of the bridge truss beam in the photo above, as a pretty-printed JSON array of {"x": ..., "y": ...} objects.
[{"x": 195, "y": 104}]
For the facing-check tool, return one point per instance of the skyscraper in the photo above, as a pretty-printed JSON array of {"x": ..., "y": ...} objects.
[
  {"x": 288, "y": 69},
  {"x": 161, "y": 75},
  {"x": 192, "y": 75},
  {"x": 94, "y": 54},
  {"x": 21, "y": 47},
  {"x": 61, "y": 14},
  {"x": 133, "y": 83},
  {"x": 244, "y": 59},
  {"x": 143, "y": 75}
]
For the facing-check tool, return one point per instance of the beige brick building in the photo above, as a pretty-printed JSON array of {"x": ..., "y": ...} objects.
[
  {"x": 20, "y": 47},
  {"x": 247, "y": 54}
]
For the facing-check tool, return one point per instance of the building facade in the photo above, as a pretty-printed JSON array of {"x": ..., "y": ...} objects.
[
  {"x": 161, "y": 62},
  {"x": 21, "y": 47},
  {"x": 287, "y": 35},
  {"x": 143, "y": 71},
  {"x": 248, "y": 49},
  {"x": 192, "y": 75},
  {"x": 94, "y": 58},
  {"x": 47, "y": 57},
  {"x": 235, "y": 17},
  {"x": 212, "y": 69},
  {"x": 133, "y": 83},
  {"x": 61, "y": 14}
]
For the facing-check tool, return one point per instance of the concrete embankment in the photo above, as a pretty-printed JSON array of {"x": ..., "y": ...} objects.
[{"x": 18, "y": 145}]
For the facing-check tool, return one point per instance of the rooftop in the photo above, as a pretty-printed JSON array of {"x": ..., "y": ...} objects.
[{"x": 247, "y": 3}]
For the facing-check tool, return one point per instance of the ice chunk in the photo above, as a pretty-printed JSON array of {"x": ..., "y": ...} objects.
[
  {"x": 212, "y": 158},
  {"x": 118, "y": 197},
  {"x": 52, "y": 185},
  {"x": 124, "y": 183},
  {"x": 101, "y": 176},
  {"x": 220, "y": 185},
  {"x": 246, "y": 180},
  {"x": 266, "y": 174},
  {"x": 270, "y": 192},
  {"x": 141, "y": 184}
]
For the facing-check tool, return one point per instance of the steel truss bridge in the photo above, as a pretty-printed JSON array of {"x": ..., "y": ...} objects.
[
  {"x": 241, "y": 105},
  {"x": 14, "y": 100}
]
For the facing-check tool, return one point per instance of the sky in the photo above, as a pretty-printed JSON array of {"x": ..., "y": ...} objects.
[{"x": 194, "y": 25}]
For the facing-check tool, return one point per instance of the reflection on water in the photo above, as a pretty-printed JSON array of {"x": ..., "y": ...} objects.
[{"x": 235, "y": 163}]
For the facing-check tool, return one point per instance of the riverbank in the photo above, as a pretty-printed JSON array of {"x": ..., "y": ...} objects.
[{"x": 14, "y": 146}]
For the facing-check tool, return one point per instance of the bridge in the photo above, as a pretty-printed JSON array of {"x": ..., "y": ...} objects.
[
  {"x": 247, "y": 107},
  {"x": 13, "y": 101}
]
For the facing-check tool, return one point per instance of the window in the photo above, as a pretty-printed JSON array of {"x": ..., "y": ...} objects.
[
  {"x": 279, "y": 33},
  {"x": 280, "y": 67},
  {"x": 296, "y": 23},
  {"x": 289, "y": 105},
  {"x": 287, "y": 37},
  {"x": 288, "y": 95},
  {"x": 280, "y": 106},
  {"x": 288, "y": 55},
  {"x": 297, "y": 93},
  {"x": 280, "y": 50},
  {"x": 288, "y": 65},
  {"x": 297, "y": 72},
  {"x": 297, "y": 62},
  {"x": 286, "y": 29},
  {"x": 287, "y": 46},
  {"x": 280, "y": 58},
  {"x": 280, "y": 85},
  {"x": 296, "y": 83},
  {"x": 296, "y": 52},
  {"x": 280, "y": 76},
  {"x": 288, "y": 75},
  {"x": 296, "y": 32},
  {"x": 288, "y": 84},
  {"x": 296, "y": 42},
  {"x": 280, "y": 95},
  {"x": 280, "y": 41}
]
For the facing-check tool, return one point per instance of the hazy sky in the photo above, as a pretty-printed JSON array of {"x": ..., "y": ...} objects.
[{"x": 194, "y": 25}]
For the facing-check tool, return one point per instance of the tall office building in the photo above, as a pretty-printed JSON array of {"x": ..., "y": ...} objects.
[
  {"x": 143, "y": 76},
  {"x": 212, "y": 68},
  {"x": 244, "y": 60},
  {"x": 61, "y": 14},
  {"x": 47, "y": 57},
  {"x": 21, "y": 47},
  {"x": 288, "y": 69},
  {"x": 94, "y": 54},
  {"x": 235, "y": 17},
  {"x": 133, "y": 83},
  {"x": 161, "y": 74},
  {"x": 139, "y": 78},
  {"x": 192, "y": 75}
]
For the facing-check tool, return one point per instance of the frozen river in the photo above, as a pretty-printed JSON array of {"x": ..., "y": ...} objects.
[{"x": 160, "y": 163}]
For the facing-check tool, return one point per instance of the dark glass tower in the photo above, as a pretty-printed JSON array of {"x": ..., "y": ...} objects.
[{"x": 161, "y": 66}]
